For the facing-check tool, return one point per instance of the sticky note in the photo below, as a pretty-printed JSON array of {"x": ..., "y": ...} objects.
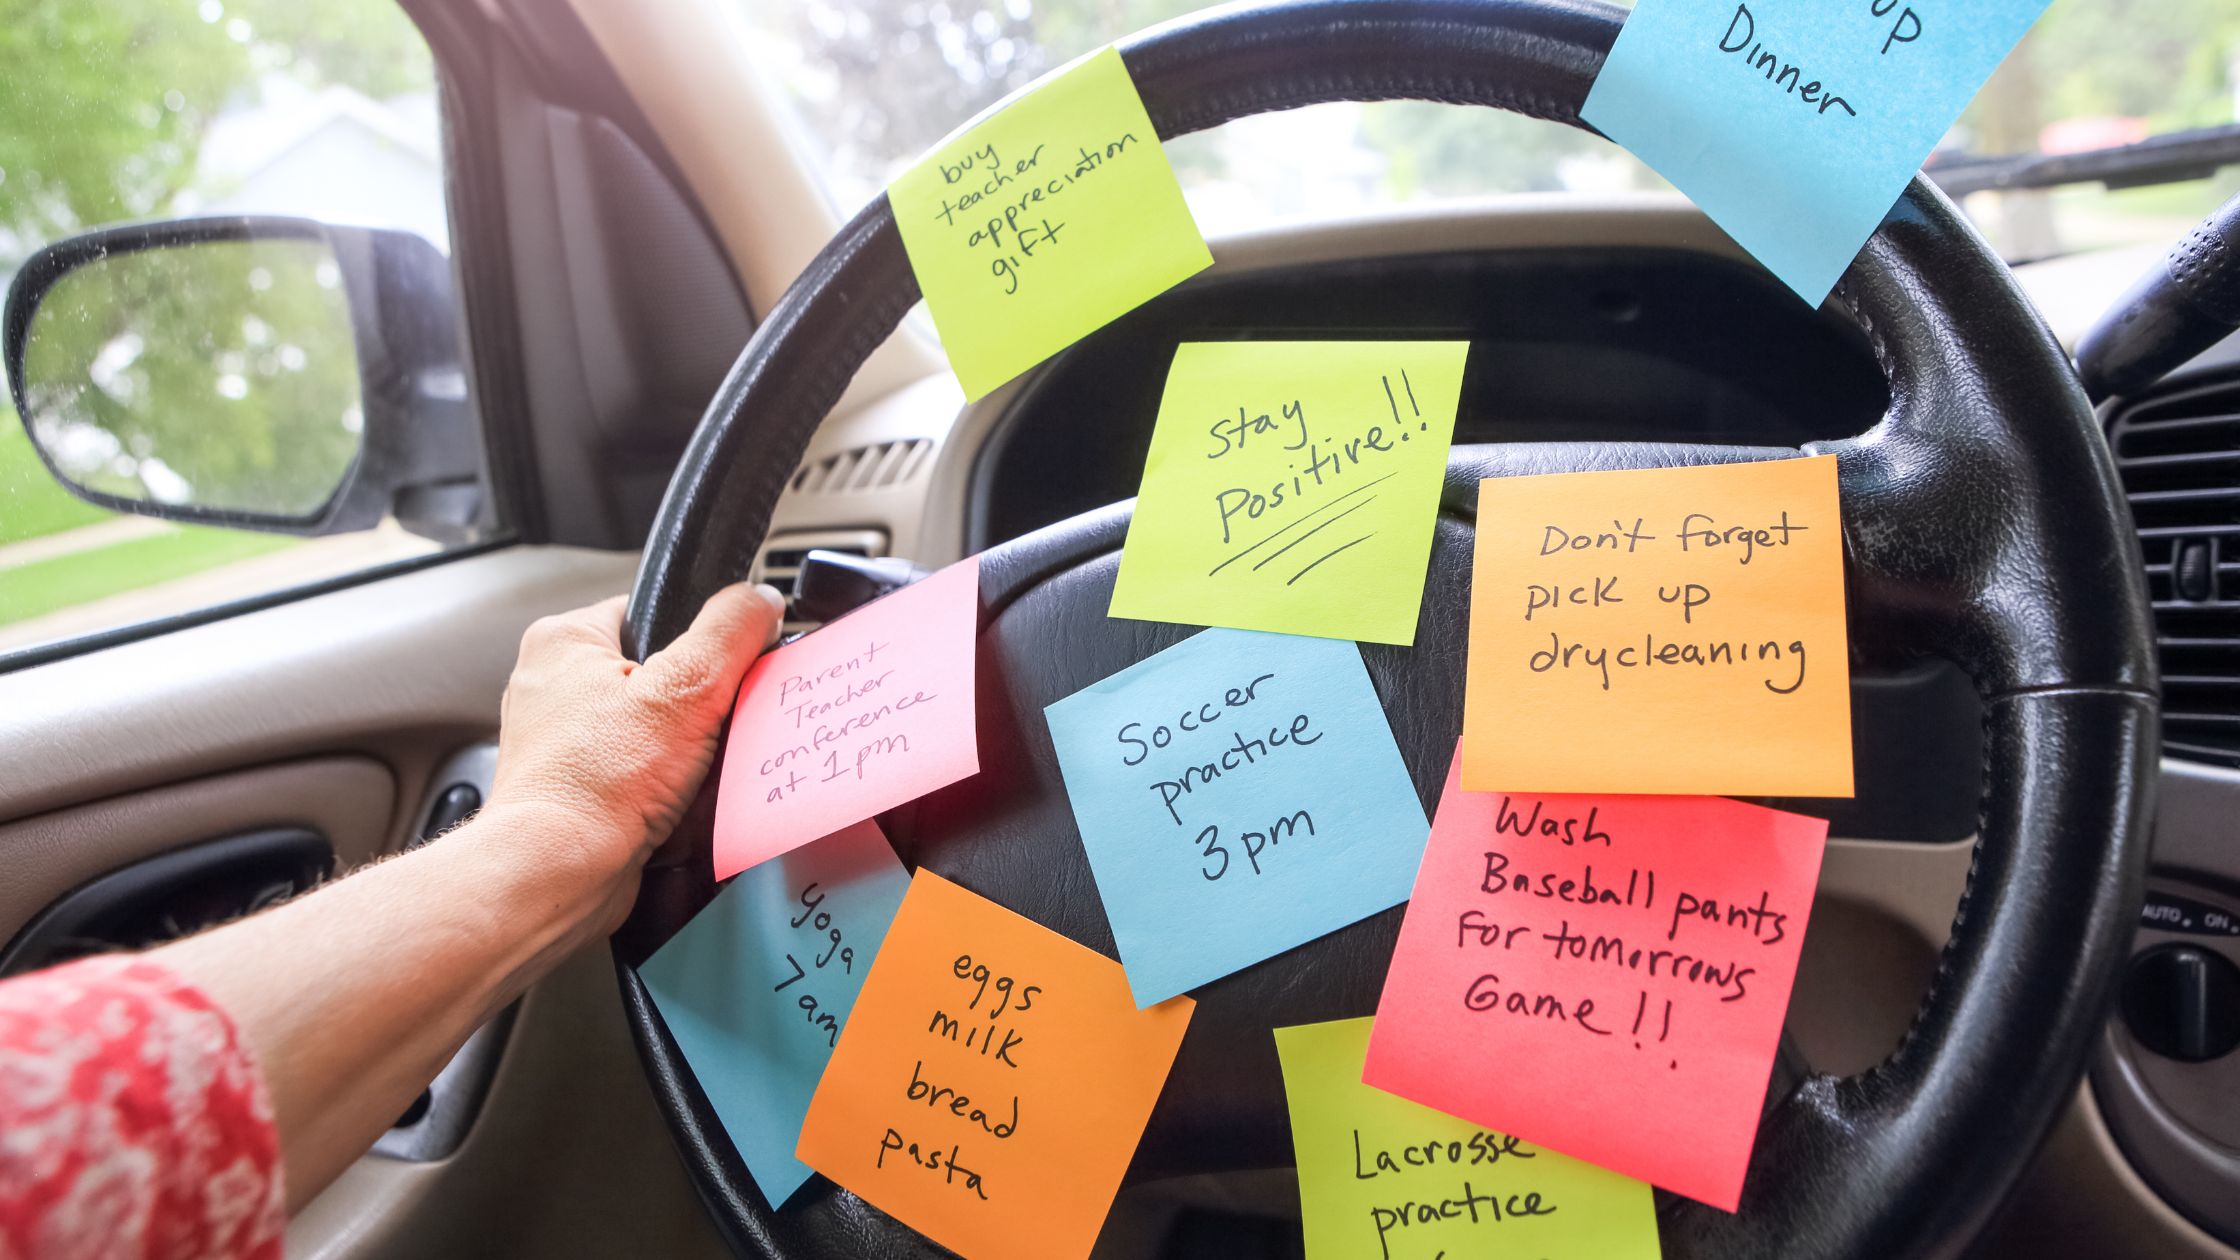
[
  {"x": 1669, "y": 630},
  {"x": 756, "y": 988},
  {"x": 1383, "y": 1177},
  {"x": 1239, "y": 794},
  {"x": 1795, "y": 124},
  {"x": 993, "y": 1082},
  {"x": 1292, "y": 486},
  {"x": 1036, "y": 226},
  {"x": 870, "y": 712},
  {"x": 1631, "y": 958}
]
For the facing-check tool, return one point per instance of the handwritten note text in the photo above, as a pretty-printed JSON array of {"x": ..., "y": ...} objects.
[
  {"x": 870, "y": 712},
  {"x": 756, "y": 988},
  {"x": 1383, "y": 1177},
  {"x": 1796, "y": 123},
  {"x": 1038, "y": 225},
  {"x": 995, "y": 1077},
  {"x": 1665, "y": 630},
  {"x": 1632, "y": 955},
  {"x": 1239, "y": 794},
  {"x": 1292, "y": 486}
]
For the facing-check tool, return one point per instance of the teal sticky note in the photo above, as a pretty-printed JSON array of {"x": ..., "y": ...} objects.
[
  {"x": 1795, "y": 124},
  {"x": 757, "y": 987},
  {"x": 1239, "y": 795}
]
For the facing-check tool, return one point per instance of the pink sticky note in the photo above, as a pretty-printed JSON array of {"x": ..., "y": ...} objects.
[
  {"x": 870, "y": 712},
  {"x": 1601, "y": 975}
]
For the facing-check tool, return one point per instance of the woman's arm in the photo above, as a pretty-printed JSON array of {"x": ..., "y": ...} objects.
[{"x": 353, "y": 996}]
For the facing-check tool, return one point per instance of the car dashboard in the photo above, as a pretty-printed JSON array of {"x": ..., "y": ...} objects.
[
  {"x": 1634, "y": 319},
  {"x": 1622, "y": 319}
]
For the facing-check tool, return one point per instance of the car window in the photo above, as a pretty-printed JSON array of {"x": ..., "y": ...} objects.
[
  {"x": 2096, "y": 75},
  {"x": 217, "y": 375},
  {"x": 876, "y": 82}
]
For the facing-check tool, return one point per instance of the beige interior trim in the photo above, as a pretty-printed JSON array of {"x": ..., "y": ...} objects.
[
  {"x": 689, "y": 65},
  {"x": 2082, "y": 1198},
  {"x": 349, "y": 800},
  {"x": 1880, "y": 917},
  {"x": 568, "y": 1157},
  {"x": 403, "y": 670}
]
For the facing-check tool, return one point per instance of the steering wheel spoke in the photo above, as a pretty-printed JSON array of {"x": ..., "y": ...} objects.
[{"x": 1976, "y": 512}]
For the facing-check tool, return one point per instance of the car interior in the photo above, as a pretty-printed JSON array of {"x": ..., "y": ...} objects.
[{"x": 654, "y": 357}]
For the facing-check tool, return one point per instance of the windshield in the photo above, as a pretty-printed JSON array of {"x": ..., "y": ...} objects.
[{"x": 877, "y": 82}]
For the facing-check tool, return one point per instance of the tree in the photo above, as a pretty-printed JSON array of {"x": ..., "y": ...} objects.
[
  {"x": 101, "y": 109},
  {"x": 223, "y": 374},
  {"x": 103, "y": 105}
]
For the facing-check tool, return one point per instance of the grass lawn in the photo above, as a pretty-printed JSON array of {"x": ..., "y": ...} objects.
[
  {"x": 43, "y": 586},
  {"x": 32, "y": 504}
]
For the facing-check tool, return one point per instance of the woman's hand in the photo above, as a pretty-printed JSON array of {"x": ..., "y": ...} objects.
[{"x": 598, "y": 756}]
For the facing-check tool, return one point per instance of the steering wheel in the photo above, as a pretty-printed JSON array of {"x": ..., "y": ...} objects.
[{"x": 1982, "y": 523}]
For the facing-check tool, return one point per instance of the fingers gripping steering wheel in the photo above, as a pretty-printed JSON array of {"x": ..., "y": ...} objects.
[{"x": 1982, "y": 523}]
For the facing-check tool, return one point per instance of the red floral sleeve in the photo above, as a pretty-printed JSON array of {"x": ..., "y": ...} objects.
[{"x": 133, "y": 1122}]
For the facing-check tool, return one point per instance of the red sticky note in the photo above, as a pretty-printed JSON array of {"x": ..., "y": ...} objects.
[
  {"x": 870, "y": 712},
  {"x": 1601, "y": 975}
]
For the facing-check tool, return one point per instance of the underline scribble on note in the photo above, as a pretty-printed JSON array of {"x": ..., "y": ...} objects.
[{"x": 1248, "y": 550}]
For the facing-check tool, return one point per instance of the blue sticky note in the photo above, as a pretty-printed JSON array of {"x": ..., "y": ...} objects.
[
  {"x": 757, "y": 987},
  {"x": 1239, "y": 795},
  {"x": 1795, "y": 124}
]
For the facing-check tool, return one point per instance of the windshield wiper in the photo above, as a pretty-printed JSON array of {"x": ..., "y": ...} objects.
[{"x": 2163, "y": 159}]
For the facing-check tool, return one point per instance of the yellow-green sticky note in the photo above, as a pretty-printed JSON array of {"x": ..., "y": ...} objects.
[
  {"x": 1042, "y": 223},
  {"x": 1293, "y": 486},
  {"x": 1380, "y": 1176}
]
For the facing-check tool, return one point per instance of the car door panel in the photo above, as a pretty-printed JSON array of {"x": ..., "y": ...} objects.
[
  {"x": 346, "y": 714},
  {"x": 404, "y": 669},
  {"x": 345, "y": 799}
]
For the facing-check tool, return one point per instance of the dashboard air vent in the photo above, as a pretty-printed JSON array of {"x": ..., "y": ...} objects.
[
  {"x": 781, "y": 556},
  {"x": 2179, "y": 456},
  {"x": 872, "y": 467}
]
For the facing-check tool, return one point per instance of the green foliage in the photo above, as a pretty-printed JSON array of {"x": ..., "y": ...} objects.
[
  {"x": 368, "y": 44},
  {"x": 102, "y": 106},
  {"x": 2165, "y": 62},
  {"x": 221, "y": 374},
  {"x": 32, "y": 503},
  {"x": 104, "y": 103}
]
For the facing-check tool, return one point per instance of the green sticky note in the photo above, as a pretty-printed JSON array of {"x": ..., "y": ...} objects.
[
  {"x": 1292, "y": 486},
  {"x": 1042, "y": 223},
  {"x": 1384, "y": 1177}
]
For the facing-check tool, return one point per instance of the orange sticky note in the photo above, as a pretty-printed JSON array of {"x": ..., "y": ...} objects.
[
  {"x": 992, "y": 1082},
  {"x": 1666, "y": 630},
  {"x": 1626, "y": 960},
  {"x": 870, "y": 712}
]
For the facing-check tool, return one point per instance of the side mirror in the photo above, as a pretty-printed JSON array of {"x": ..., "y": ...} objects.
[{"x": 261, "y": 373}]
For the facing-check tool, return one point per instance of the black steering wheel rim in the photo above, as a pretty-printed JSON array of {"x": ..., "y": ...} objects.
[{"x": 1983, "y": 524}]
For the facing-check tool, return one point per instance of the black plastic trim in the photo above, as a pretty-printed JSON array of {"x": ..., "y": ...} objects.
[
  {"x": 304, "y": 856},
  {"x": 474, "y": 201}
]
